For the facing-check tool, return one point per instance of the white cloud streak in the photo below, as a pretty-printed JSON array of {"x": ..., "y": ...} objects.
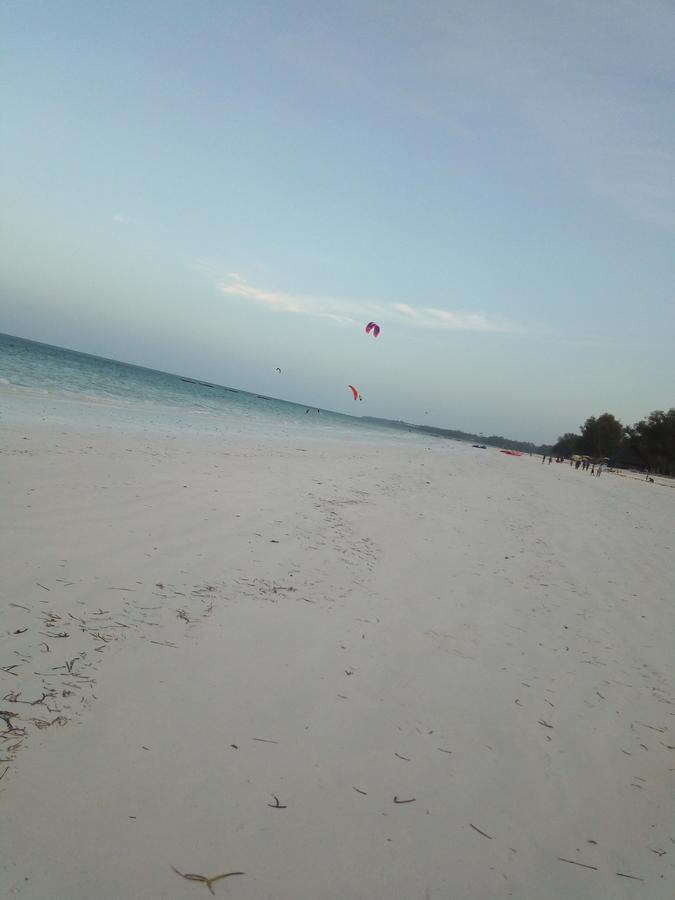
[{"x": 352, "y": 312}]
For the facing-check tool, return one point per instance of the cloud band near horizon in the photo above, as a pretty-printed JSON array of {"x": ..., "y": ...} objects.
[{"x": 352, "y": 312}]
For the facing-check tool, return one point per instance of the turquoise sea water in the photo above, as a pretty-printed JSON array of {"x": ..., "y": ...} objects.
[{"x": 65, "y": 387}]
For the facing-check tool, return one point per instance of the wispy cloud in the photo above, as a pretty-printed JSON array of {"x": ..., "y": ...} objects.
[
  {"x": 121, "y": 219},
  {"x": 352, "y": 311}
]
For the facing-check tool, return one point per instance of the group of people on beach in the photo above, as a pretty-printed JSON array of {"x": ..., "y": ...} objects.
[{"x": 584, "y": 464}]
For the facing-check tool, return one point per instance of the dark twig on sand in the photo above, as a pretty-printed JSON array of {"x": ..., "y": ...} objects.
[
  {"x": 7, "y": 715},
  {"x": 106, "y": 638},
  {"x": 412, "y": 800},
  {"x": 651, "y": 727},
  {"x": 358, "y": 791},
  {"x": 632, "y": 877},
  {"x": 488, "y": 836},
  {"x": 573, "y": 862},
  {"x": 42, "y": 586},
  {"x": 276, "y": 804},
  {"x": 14, "y": 698},
  {"x": 4, "y": 773},
  {"x": 402, "y": 757},
  {"x": 8, "y": 669},
  {"x": 264, "y": 741}
]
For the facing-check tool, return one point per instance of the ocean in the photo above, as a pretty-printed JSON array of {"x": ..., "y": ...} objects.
[{"x": 72, "y": 389}]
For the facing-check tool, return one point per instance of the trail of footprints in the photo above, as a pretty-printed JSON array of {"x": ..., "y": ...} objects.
[{"x": 50, "y": 656}]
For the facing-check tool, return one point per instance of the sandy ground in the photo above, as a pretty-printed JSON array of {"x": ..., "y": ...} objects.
[{"x": 346, "y": 671}]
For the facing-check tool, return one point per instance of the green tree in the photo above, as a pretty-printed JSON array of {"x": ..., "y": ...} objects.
[
  {"x": 566, "y": 445},
  {"x": 602, "y": 436},
  {"x": 652, "y": 440}
]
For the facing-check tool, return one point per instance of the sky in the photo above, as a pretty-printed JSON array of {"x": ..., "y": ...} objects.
[{"x": 220, "y": 188}]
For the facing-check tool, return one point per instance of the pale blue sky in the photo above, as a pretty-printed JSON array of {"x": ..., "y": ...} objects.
[{"x": 217, "y": 189}]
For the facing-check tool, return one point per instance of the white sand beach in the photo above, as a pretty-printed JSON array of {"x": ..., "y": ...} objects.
[{"x": 347, "y": 671}]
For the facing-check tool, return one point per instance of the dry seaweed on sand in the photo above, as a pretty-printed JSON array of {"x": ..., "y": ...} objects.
[{"x": 203, "y": 879}]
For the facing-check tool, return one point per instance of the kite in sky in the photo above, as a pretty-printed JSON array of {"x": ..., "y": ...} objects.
[
  {"x": 354, "y": 391},
  {"x": 373, "y": 328}
]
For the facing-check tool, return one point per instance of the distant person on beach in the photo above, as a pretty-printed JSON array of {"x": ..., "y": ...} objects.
[
  {"x": 599, "y": 470},
  {"x": 543, "y": 458}
]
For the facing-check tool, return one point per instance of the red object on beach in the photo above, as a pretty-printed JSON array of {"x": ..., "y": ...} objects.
[{"x": 512, "y": 452}]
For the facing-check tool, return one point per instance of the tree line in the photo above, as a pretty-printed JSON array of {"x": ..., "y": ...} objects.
[
  {"x": 493, "y": 440},
  {"x": 648, "y": 444}
]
